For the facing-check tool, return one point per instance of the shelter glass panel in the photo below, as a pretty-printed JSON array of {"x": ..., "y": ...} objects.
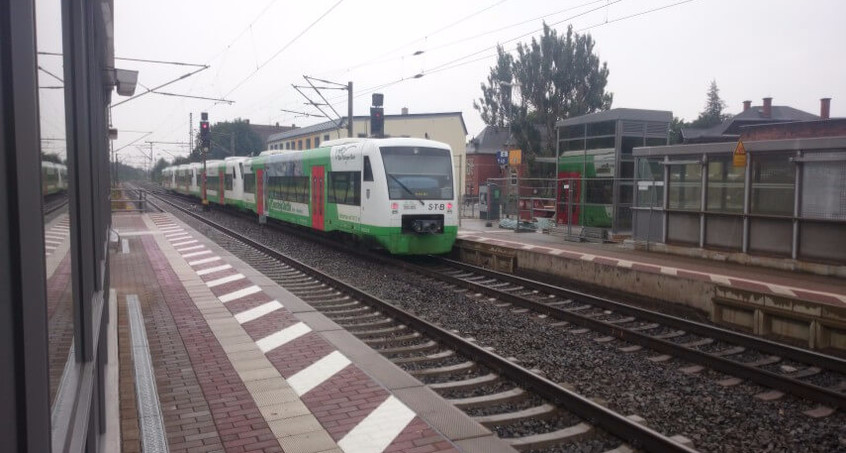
[
  {"x": 601, "y": 128},
  {"x": 773, "y": 180},
  {"x": 598, "y": 143},
  {"x": 573, "y": 131},
  {"x": 725, "y": 185},
  {"x": 824, "y": 188},
  {"x": 685, "y": 186},
  {"x": 630, "y": 143}
]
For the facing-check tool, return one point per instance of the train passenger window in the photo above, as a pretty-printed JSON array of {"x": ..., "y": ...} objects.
[
  {"x": 345, "y": 187},
  {"x": 368, "y": 171}
]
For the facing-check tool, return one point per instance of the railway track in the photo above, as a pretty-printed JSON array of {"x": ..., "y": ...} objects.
[
  {"x": 530, "y": 411},
  {"x": 736, "y": 354}
]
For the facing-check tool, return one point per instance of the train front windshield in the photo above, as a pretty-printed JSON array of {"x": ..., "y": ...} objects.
[{"x": 418, "y": 173}]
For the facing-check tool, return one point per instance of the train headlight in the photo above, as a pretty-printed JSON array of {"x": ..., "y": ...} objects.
[
  {"x": 449, "y": 206},
  {"x": 394, "y": 206}
]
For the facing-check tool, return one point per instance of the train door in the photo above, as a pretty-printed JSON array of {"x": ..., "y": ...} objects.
[
  {"x": 221, "y": 178},
  {"x": 317, "y": 197},
  {"x": 260, "y": 192}
]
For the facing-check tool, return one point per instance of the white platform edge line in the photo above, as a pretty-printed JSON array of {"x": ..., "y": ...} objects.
[
  {"x": 239, "y": 294},
  {"x": 225, "y": 280},
  {"x": 318, "y": 372},
  {"x": 282, "y": 337},
  {"x": 257, "y": 312},
  {"x": 378, "y": 429},
  {"x": 212, "y": 270}
]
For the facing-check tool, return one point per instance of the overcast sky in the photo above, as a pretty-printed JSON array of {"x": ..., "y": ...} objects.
[{"x": 660, "y": 59}]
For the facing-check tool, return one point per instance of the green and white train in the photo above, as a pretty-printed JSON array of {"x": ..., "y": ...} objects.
[{"x": 396, "y": 194}]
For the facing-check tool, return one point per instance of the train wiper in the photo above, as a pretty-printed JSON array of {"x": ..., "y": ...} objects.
[{"x": 407, "y": 189}]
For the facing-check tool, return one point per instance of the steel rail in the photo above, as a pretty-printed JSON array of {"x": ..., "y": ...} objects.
[{"x": 636, "y": 434}]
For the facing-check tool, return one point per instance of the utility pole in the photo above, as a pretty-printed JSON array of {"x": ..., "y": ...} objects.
[
  {"x": 190, "y": 132},
  {"x": 349, "y": 109},
  {"x": 204, "y": 149}
]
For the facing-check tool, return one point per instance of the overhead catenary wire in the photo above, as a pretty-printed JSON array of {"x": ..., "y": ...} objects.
[{"x": 288, "y": 44}]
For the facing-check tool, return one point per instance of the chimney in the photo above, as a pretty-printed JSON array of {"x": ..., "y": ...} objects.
[
  {"x": 405, "y": 110},
  {"x": 277, "y": 124},
  {"x": 747, "y": 105},
  {"x": 248, "y": 121},
  {"x": 825, "y": 108},
  {"x": 768, "y": 108}
]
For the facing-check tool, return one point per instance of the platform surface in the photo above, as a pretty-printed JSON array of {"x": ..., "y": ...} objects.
[
  {"x": 241, "y": 364},
  {"x": 817, "y": 288}
]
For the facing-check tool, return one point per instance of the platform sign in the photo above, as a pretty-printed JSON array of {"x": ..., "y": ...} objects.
[
  {"x": 502, "y": 157},
  {"x": 739, "y": 157},
  {"x": 515, "y": 157}
]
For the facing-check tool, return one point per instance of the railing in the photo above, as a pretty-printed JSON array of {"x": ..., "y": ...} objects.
[{"x": 128, "y": 200}]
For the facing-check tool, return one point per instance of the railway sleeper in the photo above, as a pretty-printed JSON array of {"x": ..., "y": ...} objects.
[
  {"x": 668, "y": 335},
  {"x": 568, "y": 435},
  {"x": 334, "y": 301},
  {"x": 445, "y": 370},
  {"x": 489, "y": 378},
  {"x": 579, "y": 308},
  {"x": 622, "y": 320},
  {"x": 389, "y": 340},
  {"x": 730, "y": 351},
  {"x": 345, "y": 309},
  {"x": 380, "y": 332},
  {"x": 494, "y": 399},
  {"x": 645, "y": 327},
  {"x": 544, "y": 411},
  {"x": 424, "y": 358},
  {"x": 420, "y": 347},
  {"x": 384, "y": 322},
  {"x": 697, "y": 343},
  {"x": 372, "y": 314},
  {"x": 768, "y": 360},
  {"x": 320, "y": 295},
  {"x": 807, "y": 372}
]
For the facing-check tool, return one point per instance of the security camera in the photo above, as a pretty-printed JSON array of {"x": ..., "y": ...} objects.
[{"x": 125, "y": 81}]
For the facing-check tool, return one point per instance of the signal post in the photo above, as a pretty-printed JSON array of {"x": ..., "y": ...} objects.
[{"x": 204, "y": 149}]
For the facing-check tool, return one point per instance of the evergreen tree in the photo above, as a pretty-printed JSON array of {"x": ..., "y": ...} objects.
[{"x": 713, "y": 113}]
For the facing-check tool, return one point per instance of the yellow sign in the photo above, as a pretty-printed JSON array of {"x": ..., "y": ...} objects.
[
  {"x": 739, "y": 158},
  {"x": 515, "y": 156}
]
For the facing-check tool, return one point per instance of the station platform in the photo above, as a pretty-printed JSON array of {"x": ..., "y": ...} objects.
[
  {"x": 803, "y": 306},
  {"x": 214, "y": 356}
]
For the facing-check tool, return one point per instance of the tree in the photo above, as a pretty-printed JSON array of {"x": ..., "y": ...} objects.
[
  {"x": 234, "y": 138},
  {"x": 495, "y": 104},
  {"x": 713, "y": 113},
  {"x": 558, "y": 77},
  {"x": 675, "y": 130}
]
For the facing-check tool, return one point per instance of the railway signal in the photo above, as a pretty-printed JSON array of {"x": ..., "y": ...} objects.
[{"x": 377, "y": 116}]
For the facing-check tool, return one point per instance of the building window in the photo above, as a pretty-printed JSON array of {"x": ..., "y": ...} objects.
[
  {"x": 299, "y": 144},
  {"x": 685, "y": 186},
  {"x": 773, "y": 179},
  {"x": 325, "y": 137},
  {"x": 725, "y": 185},
  {"x": 308, "y": 143},
  {"x": 316, "y": 142}
]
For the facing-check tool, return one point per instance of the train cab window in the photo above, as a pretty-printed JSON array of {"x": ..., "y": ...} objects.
[{"x": 368, "y": 171}]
